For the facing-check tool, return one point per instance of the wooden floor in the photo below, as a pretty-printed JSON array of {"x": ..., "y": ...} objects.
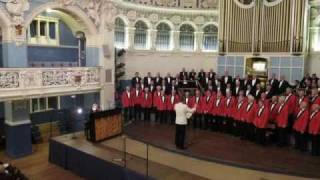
[
  {"x": 37, "y": 167},
  {"x": 229, "y": 150}
]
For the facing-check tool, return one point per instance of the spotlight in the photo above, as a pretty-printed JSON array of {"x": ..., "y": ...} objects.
[
  {"x": 73, "y": 96},
  {"x": 49, "y": 10},
  {"x": 79, "y": 110}
]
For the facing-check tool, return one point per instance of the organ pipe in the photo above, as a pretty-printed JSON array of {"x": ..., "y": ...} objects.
[{"x": 262, "y": 27}]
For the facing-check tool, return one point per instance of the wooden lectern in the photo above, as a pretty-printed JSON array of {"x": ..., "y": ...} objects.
[{"x": 104, "y": 125}]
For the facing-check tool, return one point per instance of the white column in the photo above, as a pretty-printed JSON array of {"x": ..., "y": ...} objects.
[
  {"x": 153, "y": 38},
  {"x": 199, "y": 41},
  {"x": 176, "y": 40},
  {"x": 107, "y": 93},
  {"x": 131, "y": 31}
]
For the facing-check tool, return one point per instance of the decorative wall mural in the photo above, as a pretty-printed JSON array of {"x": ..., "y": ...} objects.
[{"x": 16, "y": 9}]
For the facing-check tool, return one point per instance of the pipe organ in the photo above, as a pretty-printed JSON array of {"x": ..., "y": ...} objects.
[{"x": 259, "y": 26}]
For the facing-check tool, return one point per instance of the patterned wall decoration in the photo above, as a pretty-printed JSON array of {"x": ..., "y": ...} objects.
[{"x": 190, "y": 4}]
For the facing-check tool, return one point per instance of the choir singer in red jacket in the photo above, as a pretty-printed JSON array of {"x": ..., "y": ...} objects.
[
  {"x": 300, "y": 127},
  {"x": 261, "y": 121},
  {"x": 127, "y": 104},
  {"x": 314, "y": 129}
]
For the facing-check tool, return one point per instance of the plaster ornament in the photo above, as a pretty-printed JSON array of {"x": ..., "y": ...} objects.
[
  {"x": 109, "y": 13},
  {"x": 176, "y": 19},
  {"x": 93, "y": 11},
  {"x": 67, "y": 2},
  {"x": 199, "y": 20},
  {"x": 209, "y": 3},
  {"x": 187, "y": 3},
  {"x": 154, "y": 17},
  {"x": 16, "y": 9},
  {"x": 132, "y": 15},
  {"x": 146, "y": 2},
  {"x": 163, "y": 2}
]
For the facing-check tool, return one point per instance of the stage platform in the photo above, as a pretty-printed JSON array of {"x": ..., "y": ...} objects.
[
  {"x": 151, "y": 154},
  {"x": 100, "y": 161},
  {"x": 228, "y": 150}
]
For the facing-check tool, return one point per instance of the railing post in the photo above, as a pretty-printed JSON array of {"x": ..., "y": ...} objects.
[{"x": 147, "y": 169}]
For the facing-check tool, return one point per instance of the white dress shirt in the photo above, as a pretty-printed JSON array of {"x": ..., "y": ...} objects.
[{"x": 183, "y": 112}]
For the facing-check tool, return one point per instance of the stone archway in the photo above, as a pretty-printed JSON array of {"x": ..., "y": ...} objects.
[{"x": 74, "y": 11}]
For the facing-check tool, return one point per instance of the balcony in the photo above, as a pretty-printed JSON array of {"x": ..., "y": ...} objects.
[{"x": 18, "y": 83}]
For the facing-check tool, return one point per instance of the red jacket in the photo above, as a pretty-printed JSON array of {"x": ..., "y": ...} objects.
[
  {"x": 239, "y": 109},
  {"x": 298, "y": 103},
  {"x": 282, "y": 115},
  {"x": 249, "y": 113},
  {"x": 314, "y": 123},
  {"x": 170, "y": 104},
  {"x": 146, "y": 100},
  {"x": 273, "y": 109},
  {"x": 301, "y": 121},
  {"x": 137, "y": 98},
  {"x": 315, "y": 100},
  {"x": 207, "y": 104},
  {"x": 162, "y": 103},
  {"x": 291, "y": 102},
  {"x": 266, "y": 103},
  {"x": 218, "y": 107},
  {"x": 261, "y": 119},
  {"x": 156, "y": 98},
  {"x": 230, "y": 107},
  {"x": 189, "y": 103},
  {"x": 199, "y": 103},
  {"x": 126, "y": 100}
]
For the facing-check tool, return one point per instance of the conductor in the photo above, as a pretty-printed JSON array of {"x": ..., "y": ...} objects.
[{"x": 183, "y": 113}]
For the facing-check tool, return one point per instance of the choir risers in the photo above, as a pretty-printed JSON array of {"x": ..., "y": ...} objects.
[{"x": 20, "y": 83}]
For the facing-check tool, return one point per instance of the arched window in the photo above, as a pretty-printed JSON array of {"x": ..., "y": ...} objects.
[
  {"x": 163, "y": 37},
  {"x": 186, "y": 38},
  {"x": 119, "y": 33},
  {"x": 210, "y": 38},
  {"x": 140, "y": 35}
]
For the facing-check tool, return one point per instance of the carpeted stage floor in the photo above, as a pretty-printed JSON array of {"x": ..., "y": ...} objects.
[{"x": 229, "y": 150}]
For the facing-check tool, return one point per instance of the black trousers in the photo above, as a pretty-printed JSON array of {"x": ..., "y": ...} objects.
[
  {"x": 236, "y": 127},
  {"x": 161, "y": 116},
  {"x": 242, "y": 129},
  {"x": 217, "y": 124},
  {"x": 137, "y": 112},
  {"x": 260, "y": 134},
  {"x": 146, "y": 114},
  {"x": 207, "y": 121},
  {"x": 300, "y": 141},
  {"x": 197, "y": 120},
  {"x": 249, "y": 131},
  {"x": 127, "y": 114},
  {"x": 180, "y": 136},
  {"x": 171, "y": 116},
  {"x": 315, "y": 142},
  {"x": 282, "y": 136},
  {"x": 291, "y": 120},
  {"x": 227, "y": 125}
]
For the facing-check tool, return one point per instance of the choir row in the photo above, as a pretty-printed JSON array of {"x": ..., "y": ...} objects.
[
  {"x": 211, "y": 81},
  {"x": 241, "y": 115}
]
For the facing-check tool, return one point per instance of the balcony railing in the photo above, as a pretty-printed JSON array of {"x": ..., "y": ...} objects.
[{"x": 24, "y": 82}]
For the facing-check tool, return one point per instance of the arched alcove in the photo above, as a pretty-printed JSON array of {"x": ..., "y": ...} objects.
[{"x": 53, "y": 38}]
